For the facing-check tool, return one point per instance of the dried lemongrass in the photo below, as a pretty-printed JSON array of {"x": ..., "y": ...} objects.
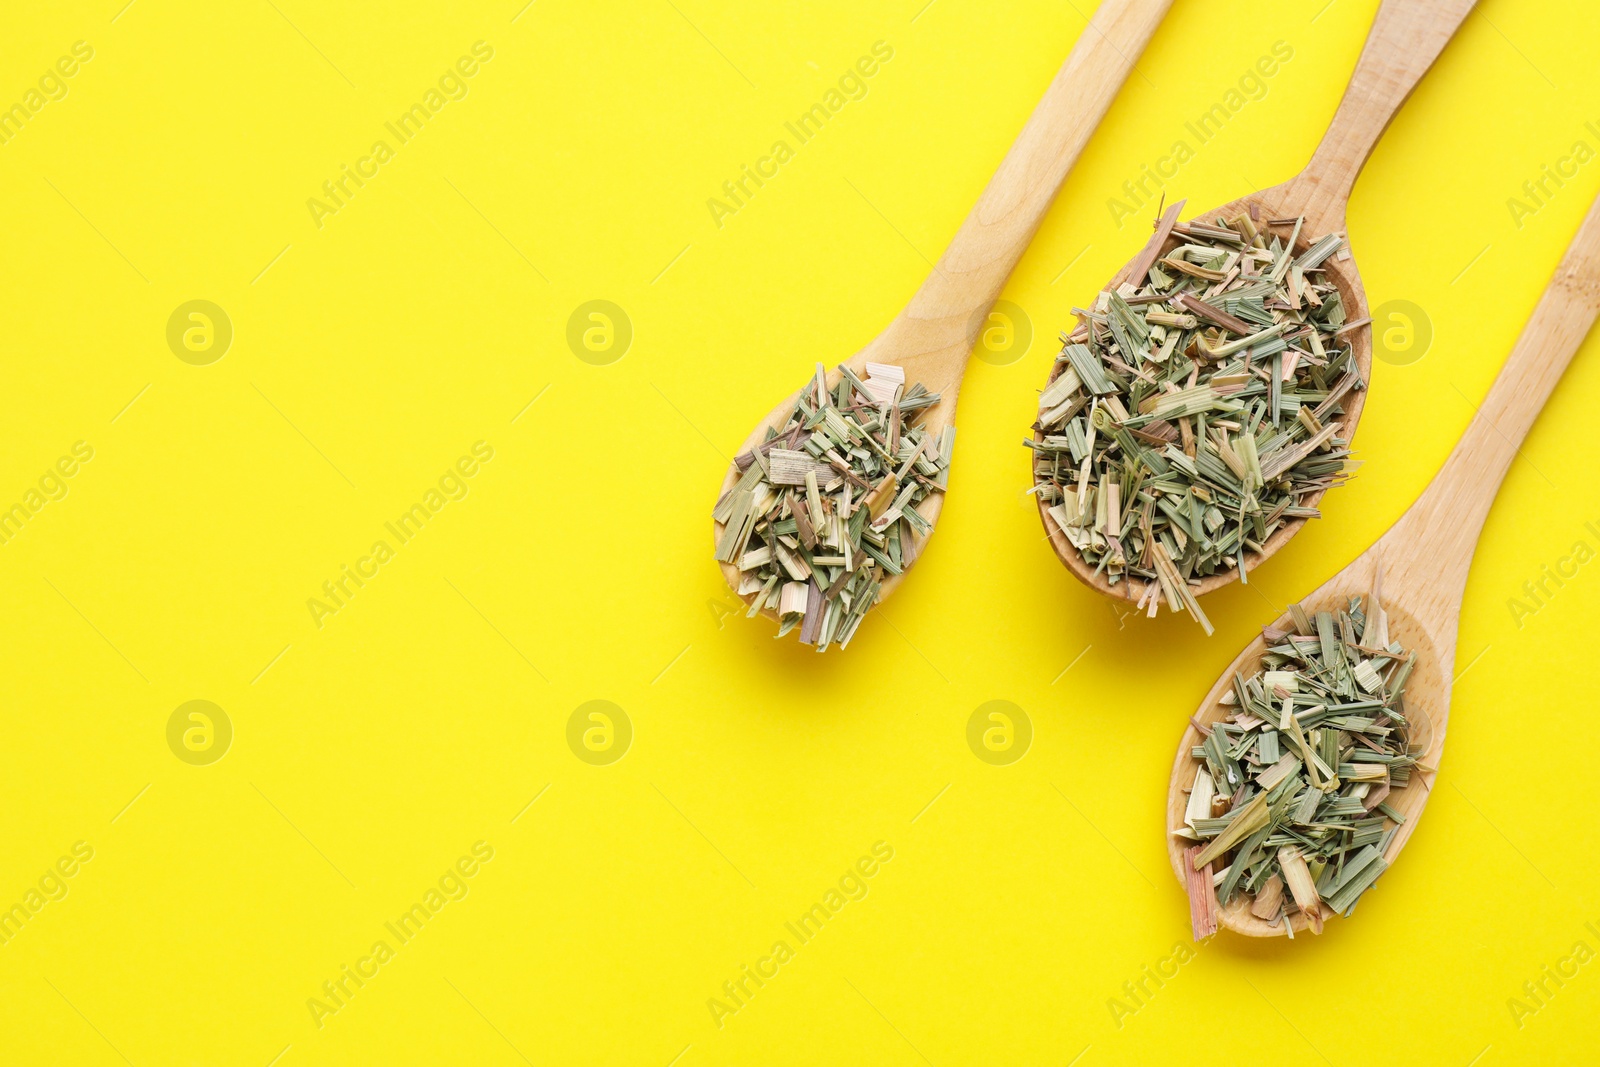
[
  {"x": 1288, "y": 803},
  {"x": 1194, "y": 411},
  {"x": 1269, "y": 898},
  {"x": 1202, "y": 895},
  {"x": 826, "y": 507}
]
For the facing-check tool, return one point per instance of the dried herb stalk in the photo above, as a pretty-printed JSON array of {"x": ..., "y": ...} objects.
[
  {"x": 1194, "y": 410},
  {"x": 825, "y": 508},
  {"x": 1288, "y": 804}
]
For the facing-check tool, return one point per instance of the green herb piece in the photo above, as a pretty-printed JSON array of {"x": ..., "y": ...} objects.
[
  {"x": 1194, "y": 411},
  {"x": 826, "y": 508},
  {"x": 1291, "y": 801}
]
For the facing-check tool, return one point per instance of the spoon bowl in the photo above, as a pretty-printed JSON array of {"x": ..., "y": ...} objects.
[
  {"x": 934, "y": 418},
  {"x": 1427, "y": 708},
  {"x": 1340, "y": 270}
]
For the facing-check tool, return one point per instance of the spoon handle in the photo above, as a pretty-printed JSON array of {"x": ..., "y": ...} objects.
[
  {"x": 1406, "y": 37},
  {"x": 975, "y": 266},
  {"x": 1436, "y": 537}
]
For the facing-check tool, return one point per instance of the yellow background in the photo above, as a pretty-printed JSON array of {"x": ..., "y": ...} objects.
[{"x": 369, "y": 354}]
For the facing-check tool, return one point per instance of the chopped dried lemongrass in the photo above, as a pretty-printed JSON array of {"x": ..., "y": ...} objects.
[
  {"x": 1194, "y": 411},
  {"x": 1288, "y": 803},
  {"x": 825, "y": 509},
  {"x": 1202, "y": 896},
  {"x": 1269, "y": 898}
]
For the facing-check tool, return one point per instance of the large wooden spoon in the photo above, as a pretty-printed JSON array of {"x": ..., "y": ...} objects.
[
  {"x": 1421, "y": 563},
  {"x": 933, "y": 336},
  {"x": 1406, "y": 37}
]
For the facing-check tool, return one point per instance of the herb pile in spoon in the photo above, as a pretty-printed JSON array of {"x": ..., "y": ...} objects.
[
  {"x": 1195, "y": 409},
  {"x": 1289, "y": 803},
  {"x": 825, "y": 508}
]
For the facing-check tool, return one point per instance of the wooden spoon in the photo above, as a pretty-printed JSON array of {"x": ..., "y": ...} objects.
[
  {"x": 1421, "y": 563},
  {"x": 1406, "y": 37},
  {"x": 933, "y": 336}
]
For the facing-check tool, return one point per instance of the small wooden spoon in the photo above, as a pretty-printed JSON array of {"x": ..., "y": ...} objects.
[
  {"x": 1406, "y": 37},
  {"x": 933, "y": 336},
  {"x": 1421, "y": 563}
]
